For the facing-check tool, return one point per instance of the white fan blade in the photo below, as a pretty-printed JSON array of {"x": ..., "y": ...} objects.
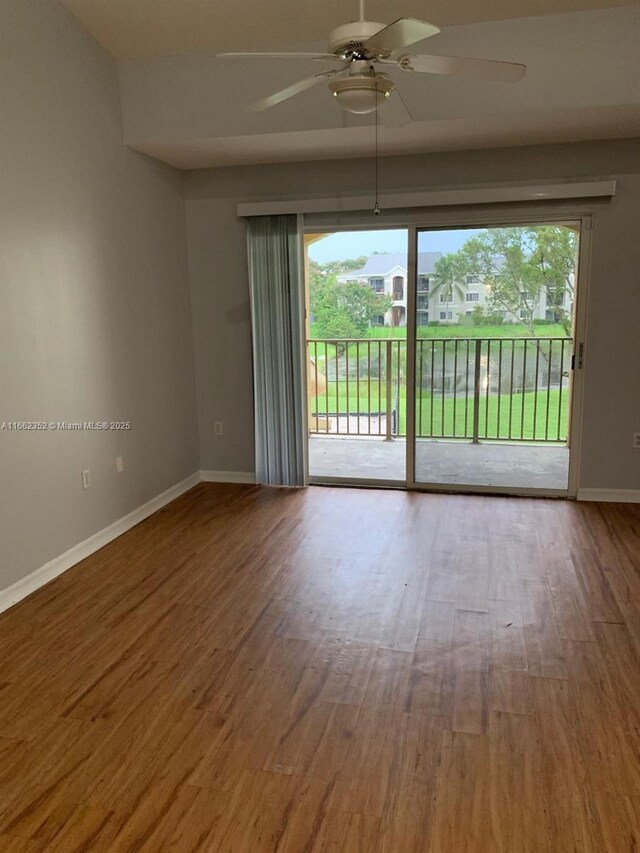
[
  {"x": 401, "y": 33},
  {"x": 290, "y": 91},
  {"x": 394, "y": 112},
  {"x": 328, "y": 57},
  {"x": 482, "y": 69}
]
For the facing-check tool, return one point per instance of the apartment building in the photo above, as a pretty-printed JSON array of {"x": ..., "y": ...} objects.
[{"x": 447, "y": 305}]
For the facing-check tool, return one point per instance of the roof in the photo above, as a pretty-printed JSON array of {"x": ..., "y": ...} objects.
[{"x": 383, "y": 264}]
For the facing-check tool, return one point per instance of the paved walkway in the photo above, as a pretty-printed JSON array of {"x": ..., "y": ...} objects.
[{"x": 445, "y": 462}]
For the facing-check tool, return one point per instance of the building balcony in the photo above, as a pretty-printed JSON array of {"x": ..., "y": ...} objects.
[{"x": 488, "y": 411}]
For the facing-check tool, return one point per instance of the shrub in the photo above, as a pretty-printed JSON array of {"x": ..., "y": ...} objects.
[{"x": 482, "y": 317}]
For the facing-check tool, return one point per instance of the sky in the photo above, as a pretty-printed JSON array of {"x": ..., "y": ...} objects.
[{"x": 351, "y": 244}]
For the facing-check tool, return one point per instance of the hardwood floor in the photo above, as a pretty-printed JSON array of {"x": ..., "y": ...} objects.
[{"x": 273, "y": 671}]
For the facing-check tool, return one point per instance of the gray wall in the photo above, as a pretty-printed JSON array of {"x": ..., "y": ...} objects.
[
  {"x": 94, "y": 300},
  {"x": 219, "y": 295}
]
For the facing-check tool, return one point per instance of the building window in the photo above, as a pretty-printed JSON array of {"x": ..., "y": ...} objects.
[
  {"x": 447, "y": 296},
  {"x": 472, "y": 297},
  {"x": 423, "y": 283},
  {"x": 469, "y": 313},
  {"x": 378, "y": 321},
  {"x": 377, "y": 284},
  {"x": 398, "y": 287},
  {"x": 524, "y": 314},
  {"x": 446, "y": 315},
  {"x": 473, "y": 279}
]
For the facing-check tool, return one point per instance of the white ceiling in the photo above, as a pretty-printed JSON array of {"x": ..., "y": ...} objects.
[
  {"x": 137, "y": 29},
  {"x": 583, "y": 83}
]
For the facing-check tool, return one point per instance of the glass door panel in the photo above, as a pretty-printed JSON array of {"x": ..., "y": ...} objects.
[
  {"x": 356, "y": 335},
  {"x": 493, "y": 356}
]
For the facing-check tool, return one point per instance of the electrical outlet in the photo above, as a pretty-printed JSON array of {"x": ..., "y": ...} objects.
[
  {"x": 119, "y": 464},
  {"x": 218, "y": 428},
  {"x": 636, "y": 440},
  {"x": 86, "y": 478}
]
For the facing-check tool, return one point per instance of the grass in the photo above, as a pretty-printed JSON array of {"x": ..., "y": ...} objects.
[
  {"x": 507, "y": 330},
  {"x": 321, "y": 350},
  {"x": 448, "y": 416}
]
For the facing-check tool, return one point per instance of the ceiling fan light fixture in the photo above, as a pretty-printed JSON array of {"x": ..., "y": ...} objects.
[
  {"x": 360, "y": 47},
  {"x": 362, "y": 94}
]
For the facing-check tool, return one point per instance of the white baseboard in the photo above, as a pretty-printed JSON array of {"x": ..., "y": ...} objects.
[
  {"x": 25, "y": 586},
  {"x": 227, "y": 476},
  {"x": 623, "y": 496}
]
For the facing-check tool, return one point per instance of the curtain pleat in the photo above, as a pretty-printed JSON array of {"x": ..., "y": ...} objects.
[{"x": 274, "y": 274}]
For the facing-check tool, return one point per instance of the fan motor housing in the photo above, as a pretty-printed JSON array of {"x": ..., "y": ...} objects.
[{"x": 349, "y": 39}]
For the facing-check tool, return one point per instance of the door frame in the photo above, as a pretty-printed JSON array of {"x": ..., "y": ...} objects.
[
  {"x": 452, "y": 221},
  {"x": 439, "y": 219}
]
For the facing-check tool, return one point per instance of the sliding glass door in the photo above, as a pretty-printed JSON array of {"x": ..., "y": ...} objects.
[
  {"x": 450, "y": 348},
  {"x": 492, "y": 342}
]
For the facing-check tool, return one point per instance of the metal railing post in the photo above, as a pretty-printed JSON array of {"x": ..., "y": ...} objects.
[
  {"x": 388, "y": 372},
  {"x": 476, "y": 393}
]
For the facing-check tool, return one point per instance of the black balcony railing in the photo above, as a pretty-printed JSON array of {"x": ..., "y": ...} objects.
[{"x": 479, "y": 389}]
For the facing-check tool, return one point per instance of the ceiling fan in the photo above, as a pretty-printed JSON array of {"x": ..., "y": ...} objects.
[{"x": 361, "y": 48}]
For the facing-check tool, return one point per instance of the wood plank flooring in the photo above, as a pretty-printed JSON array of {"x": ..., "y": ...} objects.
[{"x": 273, "y": 671}]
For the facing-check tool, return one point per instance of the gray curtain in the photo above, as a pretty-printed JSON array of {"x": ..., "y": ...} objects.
[{"x": 275, "y": 272}]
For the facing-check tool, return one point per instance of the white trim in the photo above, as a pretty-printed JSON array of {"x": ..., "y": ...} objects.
[
  {"x": 509, "y": 491},
  {"x": 576, "y": 390},
  {"x": 302, "y": 331},
  {"x": 623, "y": 496},
  {"x": 358, "y": 482},
  {"x": 439, "y": 488},
  {"x": 499, "y": 193},
  {"x": 25, "y": 586},
  {"x": 228, "y": 476}
]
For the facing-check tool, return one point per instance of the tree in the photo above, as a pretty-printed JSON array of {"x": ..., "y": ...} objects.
[
  {"x": 516, "y": 264},
  {"x": 449, "y": 277},
  {"x": 344, "y": 310},
  {"x": 337, "y": 267},
  {"x": 556, "y": 252}
]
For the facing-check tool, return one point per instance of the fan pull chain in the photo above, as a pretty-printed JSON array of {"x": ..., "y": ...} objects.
[{"x": 376, "y": 206}]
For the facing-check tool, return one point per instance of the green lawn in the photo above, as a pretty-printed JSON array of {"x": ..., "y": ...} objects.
[
  {"x": 501, "y": 416},
  {"x": 435, "y": 414},
  {"x": 321, "y": 350},
  {"x": 507, "y": 330}
]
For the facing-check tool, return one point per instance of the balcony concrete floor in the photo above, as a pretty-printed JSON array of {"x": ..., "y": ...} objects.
[{"x": 523, "y": 466}]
